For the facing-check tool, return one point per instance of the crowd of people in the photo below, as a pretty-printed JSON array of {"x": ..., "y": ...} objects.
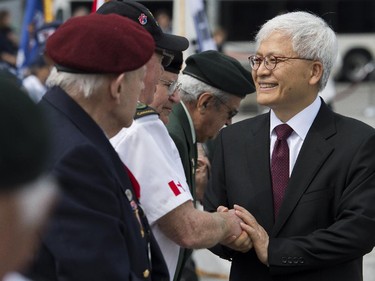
[
  {"x": 107, "y": 176},
  {"x": 33, "y": 75}
]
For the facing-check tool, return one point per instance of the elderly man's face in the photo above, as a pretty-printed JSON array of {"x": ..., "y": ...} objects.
[
  {"x": 132, "y": 86},
  {"x": 153, "y": 74},
  {"x": 210, "y": 119},
  {"x": 164, "y": 100}
]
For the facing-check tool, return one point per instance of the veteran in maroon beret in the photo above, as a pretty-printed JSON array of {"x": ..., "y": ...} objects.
[{"x": 98, "y": 231}]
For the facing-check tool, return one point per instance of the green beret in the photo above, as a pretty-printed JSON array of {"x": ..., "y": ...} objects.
[
  {"x": 24, "y": 144},
  {"x": 220, "y": 71}
]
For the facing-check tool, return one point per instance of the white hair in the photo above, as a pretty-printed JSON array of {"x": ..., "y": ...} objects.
[
  {"x": 191, "y": 88},
  {"x": 82, "y": 83},
  {"x": 311, "y": 38}
]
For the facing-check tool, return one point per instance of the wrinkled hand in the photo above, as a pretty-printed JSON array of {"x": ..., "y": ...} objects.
[
  {"x": 240, "y": 240},
  {"x": 256, "y": 232}
]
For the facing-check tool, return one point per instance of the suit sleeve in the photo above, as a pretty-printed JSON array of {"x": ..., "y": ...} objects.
[
  {"x": 215, "y": 194},
  {"x": 352, "y": 231}
]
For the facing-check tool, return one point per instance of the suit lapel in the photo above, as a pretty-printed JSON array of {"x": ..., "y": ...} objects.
[
  {"x": 314, "y": 152},
  {"x": 191, "y": 146},
  {"x": 257, "y": 156}
]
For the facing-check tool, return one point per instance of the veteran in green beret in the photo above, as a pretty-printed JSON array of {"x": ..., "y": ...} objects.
[{"x": 211, "y": 88}]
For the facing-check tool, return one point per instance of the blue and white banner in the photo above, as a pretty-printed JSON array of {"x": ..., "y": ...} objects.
[
  {"x": 204, "y": 37},
  {"x": 32, "y": 21}
]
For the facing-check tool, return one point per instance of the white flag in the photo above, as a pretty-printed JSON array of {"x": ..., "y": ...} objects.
[{"x": 202, "y": 28}]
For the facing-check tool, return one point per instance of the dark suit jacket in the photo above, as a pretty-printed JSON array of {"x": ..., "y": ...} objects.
[
  {"x": 94, "y": 233},
  {"x": 327, "y": 220}
]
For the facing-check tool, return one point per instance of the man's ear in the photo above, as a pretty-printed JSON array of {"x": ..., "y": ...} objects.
[
  {"x": 316, "y": 72},
  {"x": 203, "y": 101},
  {"x": 116, "y": 87}
]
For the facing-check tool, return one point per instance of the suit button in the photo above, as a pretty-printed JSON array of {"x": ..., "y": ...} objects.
[
  {"x": 301, "y": 260},
  {"x": 284, "y": 260},
  {"x": 295, "y": 260},
  {"x": 146, "y": 273},
  {"x": 290, "y": 260}
]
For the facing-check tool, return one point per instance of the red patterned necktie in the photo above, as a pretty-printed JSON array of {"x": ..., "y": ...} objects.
[{"x": 280, "y": 165}]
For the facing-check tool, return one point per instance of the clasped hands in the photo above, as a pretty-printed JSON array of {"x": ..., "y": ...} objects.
[{"x": 250, "y": 234}]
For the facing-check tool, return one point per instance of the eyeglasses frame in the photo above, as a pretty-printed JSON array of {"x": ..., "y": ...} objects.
[
  {"x": 231, "y": 112},
  {"x": 171, "y": 85},
  {"x": 277, "y": 60}
]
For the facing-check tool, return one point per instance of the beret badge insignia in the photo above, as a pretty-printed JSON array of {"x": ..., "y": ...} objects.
[{"x": 142, "y": 19}]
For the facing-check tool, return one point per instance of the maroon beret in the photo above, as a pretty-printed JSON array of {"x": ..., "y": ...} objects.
[{"x": 100, "y": 44}]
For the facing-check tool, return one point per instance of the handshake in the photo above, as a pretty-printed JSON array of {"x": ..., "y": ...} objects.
[{"x": 244, "y": 232}]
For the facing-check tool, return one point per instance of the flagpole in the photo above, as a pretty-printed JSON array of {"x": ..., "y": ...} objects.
[
  {"x": 182, "y": 22},
  {"x": 48, "y": 11},
  {"x": 33, "y": 19},
  {"x": 178, "y": 25}
]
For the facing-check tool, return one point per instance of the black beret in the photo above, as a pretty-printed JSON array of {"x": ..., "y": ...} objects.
[
  {"x": 220, "y": 71},
  {"x": 176, "y": 64},
  {"x": 100, "y": 44},
  {"x": 140, "y": 14},
  {"x": 24, "y": 145}
]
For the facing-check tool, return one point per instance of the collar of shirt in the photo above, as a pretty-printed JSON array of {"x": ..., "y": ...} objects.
[
  {"x": 301, "y": 122},
  {"x": 190, "y": 122}
]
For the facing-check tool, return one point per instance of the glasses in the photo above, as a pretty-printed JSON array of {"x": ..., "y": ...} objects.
[
  {"x": 231, "y": 112},
  {"x": 270, "y": 62},
  {"x": 171, "y": 85},
  {"x": 167, "y": 57}
]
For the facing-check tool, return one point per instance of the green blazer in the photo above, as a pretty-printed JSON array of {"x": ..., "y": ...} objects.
[{"x": 179, "y": 129}]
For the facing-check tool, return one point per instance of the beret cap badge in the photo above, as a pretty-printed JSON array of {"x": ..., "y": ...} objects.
[{"x": 142, "y": 19}]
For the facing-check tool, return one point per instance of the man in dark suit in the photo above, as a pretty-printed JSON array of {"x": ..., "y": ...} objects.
[
  {"x": 321, "y": 222},
  {"x": 98, "y": 231}
]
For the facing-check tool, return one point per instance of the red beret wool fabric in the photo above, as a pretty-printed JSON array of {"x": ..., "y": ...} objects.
[{"x": 100, "y": 44}]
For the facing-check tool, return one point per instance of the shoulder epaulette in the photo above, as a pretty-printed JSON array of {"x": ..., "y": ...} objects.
[{"x": 144, "y": 110}]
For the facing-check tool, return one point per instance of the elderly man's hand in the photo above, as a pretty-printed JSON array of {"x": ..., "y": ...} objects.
[
  {"x": 256, "y": 233},
  {"x": 240, "y": 241}
]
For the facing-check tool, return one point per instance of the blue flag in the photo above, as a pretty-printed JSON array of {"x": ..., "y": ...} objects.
[{"x": 32, "y": 21}]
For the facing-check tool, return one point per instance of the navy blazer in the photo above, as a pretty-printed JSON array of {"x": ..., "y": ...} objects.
[
  {"x": 327, "y": 220},
  {"x": 94, "y": 233}
]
